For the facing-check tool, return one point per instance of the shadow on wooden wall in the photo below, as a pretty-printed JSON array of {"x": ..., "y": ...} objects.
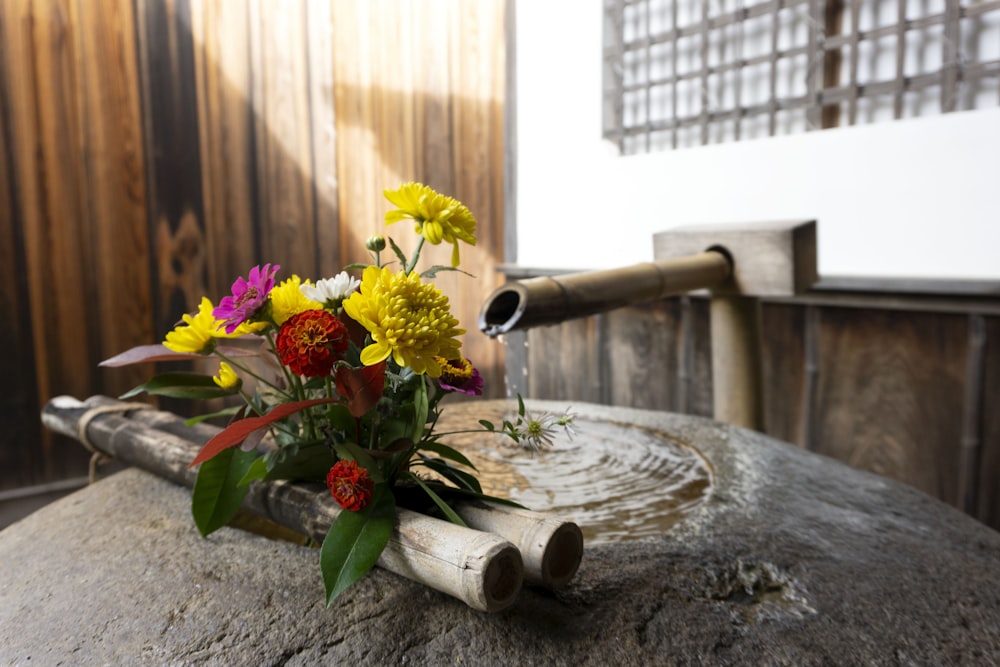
[{"x": 153, "y": 150}]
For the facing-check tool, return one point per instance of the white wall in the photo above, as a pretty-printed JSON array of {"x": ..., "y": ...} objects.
[{"x": 911, "y": 198}]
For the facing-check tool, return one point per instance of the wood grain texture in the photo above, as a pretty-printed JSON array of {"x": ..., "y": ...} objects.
[
  {"x": 176, "y": 211},
  {"x": 278, "y": 41},
  {"x": 19, "y": 395},
  {"x": 988, "y": 508},
  {"x": 785, "y": 372},
  {"x": 151, "y": 151},
  {"x": 75, "y": 149},
  {"x": 566, "y": 360},
  {"x": 890, "y": 391},
  {"x": 220, "y": 32},
  {"x": 642, "y": 355}
]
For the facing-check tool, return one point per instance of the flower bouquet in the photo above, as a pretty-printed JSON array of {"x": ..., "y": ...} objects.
[{"x": 345, "y": 387}]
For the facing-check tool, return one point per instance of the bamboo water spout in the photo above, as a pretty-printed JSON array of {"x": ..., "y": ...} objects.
[
  {"x": 738, "y": 264},
  {"x": 551, "y": 300}
]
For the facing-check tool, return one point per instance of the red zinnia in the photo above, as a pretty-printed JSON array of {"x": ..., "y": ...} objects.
[
  {"x": 311, "y": 342},
  {"x": 350, "y": 485}
]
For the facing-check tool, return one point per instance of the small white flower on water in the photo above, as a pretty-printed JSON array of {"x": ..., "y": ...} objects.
[
  {"x": 537, "y": 432},
  {"x": 331, "y": 289}
]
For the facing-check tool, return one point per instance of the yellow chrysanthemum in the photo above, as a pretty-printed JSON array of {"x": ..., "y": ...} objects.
[
  {"x": 437, "y": 217},
  {"x": 406, "y": 318},
  {"x": 288, "y": 300},
  {"x": 197, "y": 333},
  {"x": 227, "y": 377}
]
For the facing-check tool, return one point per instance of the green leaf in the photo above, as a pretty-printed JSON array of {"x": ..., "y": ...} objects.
[
  {"x": 460, "y": 478},
  {"x": 447, "y": 452},
  {"x": 437, "y": 268},
  {"x": 257, "y": 470},
  {"x": 420, "y": 407},
  {"x": 488, "y": 425},
  {"x": 311, "y": 461},
  {"x": 483, "y": 496},
  {"x": 354, "y": 543},
  {"x": 228, "y": 412},
  {"x": 442, "y": 505},
  {"x": 182, "y": 385},
  {"x": 398, "y": 251},
  {"x": 217, "y": 492}
]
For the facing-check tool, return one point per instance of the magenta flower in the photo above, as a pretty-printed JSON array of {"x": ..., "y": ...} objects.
[
  {"x": 460, "y": 375},
  {"x": 248, "y": 297}
]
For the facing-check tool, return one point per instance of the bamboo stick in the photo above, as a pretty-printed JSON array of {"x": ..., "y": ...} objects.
[
  {"x": 550, "y": 300},
  {"x": 479, "y": 568}
]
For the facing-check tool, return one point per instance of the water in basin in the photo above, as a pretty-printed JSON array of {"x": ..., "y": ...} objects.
[{"x": 617, "y": 481}]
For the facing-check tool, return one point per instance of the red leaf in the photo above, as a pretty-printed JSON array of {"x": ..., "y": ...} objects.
[
  {"x": 237, "y": 432},
  {"x": 144, "y": 353},
  {"x": 361, "y": 387}
]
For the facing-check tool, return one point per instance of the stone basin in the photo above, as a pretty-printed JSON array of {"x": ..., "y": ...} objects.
[{"x": 782, "y": 558}]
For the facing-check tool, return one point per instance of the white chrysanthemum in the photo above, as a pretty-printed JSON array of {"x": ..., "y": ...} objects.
[{"x": 331, "y": 290}]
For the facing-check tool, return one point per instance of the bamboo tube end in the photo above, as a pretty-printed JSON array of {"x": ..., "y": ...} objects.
[
  {"x": 562, "y": 556},
  {"x": 502, "y": 578}
]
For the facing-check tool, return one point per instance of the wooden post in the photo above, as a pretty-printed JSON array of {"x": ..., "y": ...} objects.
[{"x": 768, "y": 259}]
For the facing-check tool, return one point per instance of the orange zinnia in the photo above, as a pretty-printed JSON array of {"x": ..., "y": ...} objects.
[{"x": 311, "y": 342}]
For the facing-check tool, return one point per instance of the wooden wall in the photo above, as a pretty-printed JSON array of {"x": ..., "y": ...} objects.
[
  {"x": 153, "y": 150},
  {"x": 903, "y": 385}
]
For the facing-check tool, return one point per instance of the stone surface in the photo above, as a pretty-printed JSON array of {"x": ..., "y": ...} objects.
[{"x": 794, "y": 560}]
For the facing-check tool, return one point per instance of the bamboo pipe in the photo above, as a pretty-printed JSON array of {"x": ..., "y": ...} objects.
[
  {"x": 481, "y": 569},
  {"x": 550, "y": 300},
  {"x": 551, "y": 548},
  {"x": 737, "y": 361}
]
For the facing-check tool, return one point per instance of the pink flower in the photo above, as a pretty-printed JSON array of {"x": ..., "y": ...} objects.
[{"x": 248, "y": 297}]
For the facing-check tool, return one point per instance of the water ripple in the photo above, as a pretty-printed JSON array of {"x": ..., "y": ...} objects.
[{"x": 617, "y": 481}]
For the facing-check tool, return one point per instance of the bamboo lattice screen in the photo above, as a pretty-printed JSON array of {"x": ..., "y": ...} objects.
[{"x": 681, "y": 73}]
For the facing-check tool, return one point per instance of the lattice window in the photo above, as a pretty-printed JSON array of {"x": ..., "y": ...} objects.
[{"x": 681, "y": 73}]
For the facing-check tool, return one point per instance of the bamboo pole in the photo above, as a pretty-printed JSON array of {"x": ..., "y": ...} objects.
[
  {"x": 479, "y": 568},
  {"x": 553, "y": 299}
]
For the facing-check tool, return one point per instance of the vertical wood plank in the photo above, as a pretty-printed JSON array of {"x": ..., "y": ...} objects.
[
  {"x": 988, "y": 505},
  {"x": 114, "y": 184},
  {"x": 890, "y": 392},
  {"x": 700, "y": 400},
  {"x": 220, "y": 35},
  {"x": 642, "y": 359},
  {"x": 47, "y": 151},
  {"x": 19, "y": 460},
  {"x": 323, "y": 132},
  {"x": 283, "y": 136},
  {"x": 73, "y": 137},
  {"x": 170, "y": 121},
  {"x": 564, "y": 361},
  {"x": 784, "y": 371}
]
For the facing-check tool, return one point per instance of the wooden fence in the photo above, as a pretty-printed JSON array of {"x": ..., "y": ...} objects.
[
  {"x": 153, "y": 150},
  {"x": 904, "y": 383}
]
